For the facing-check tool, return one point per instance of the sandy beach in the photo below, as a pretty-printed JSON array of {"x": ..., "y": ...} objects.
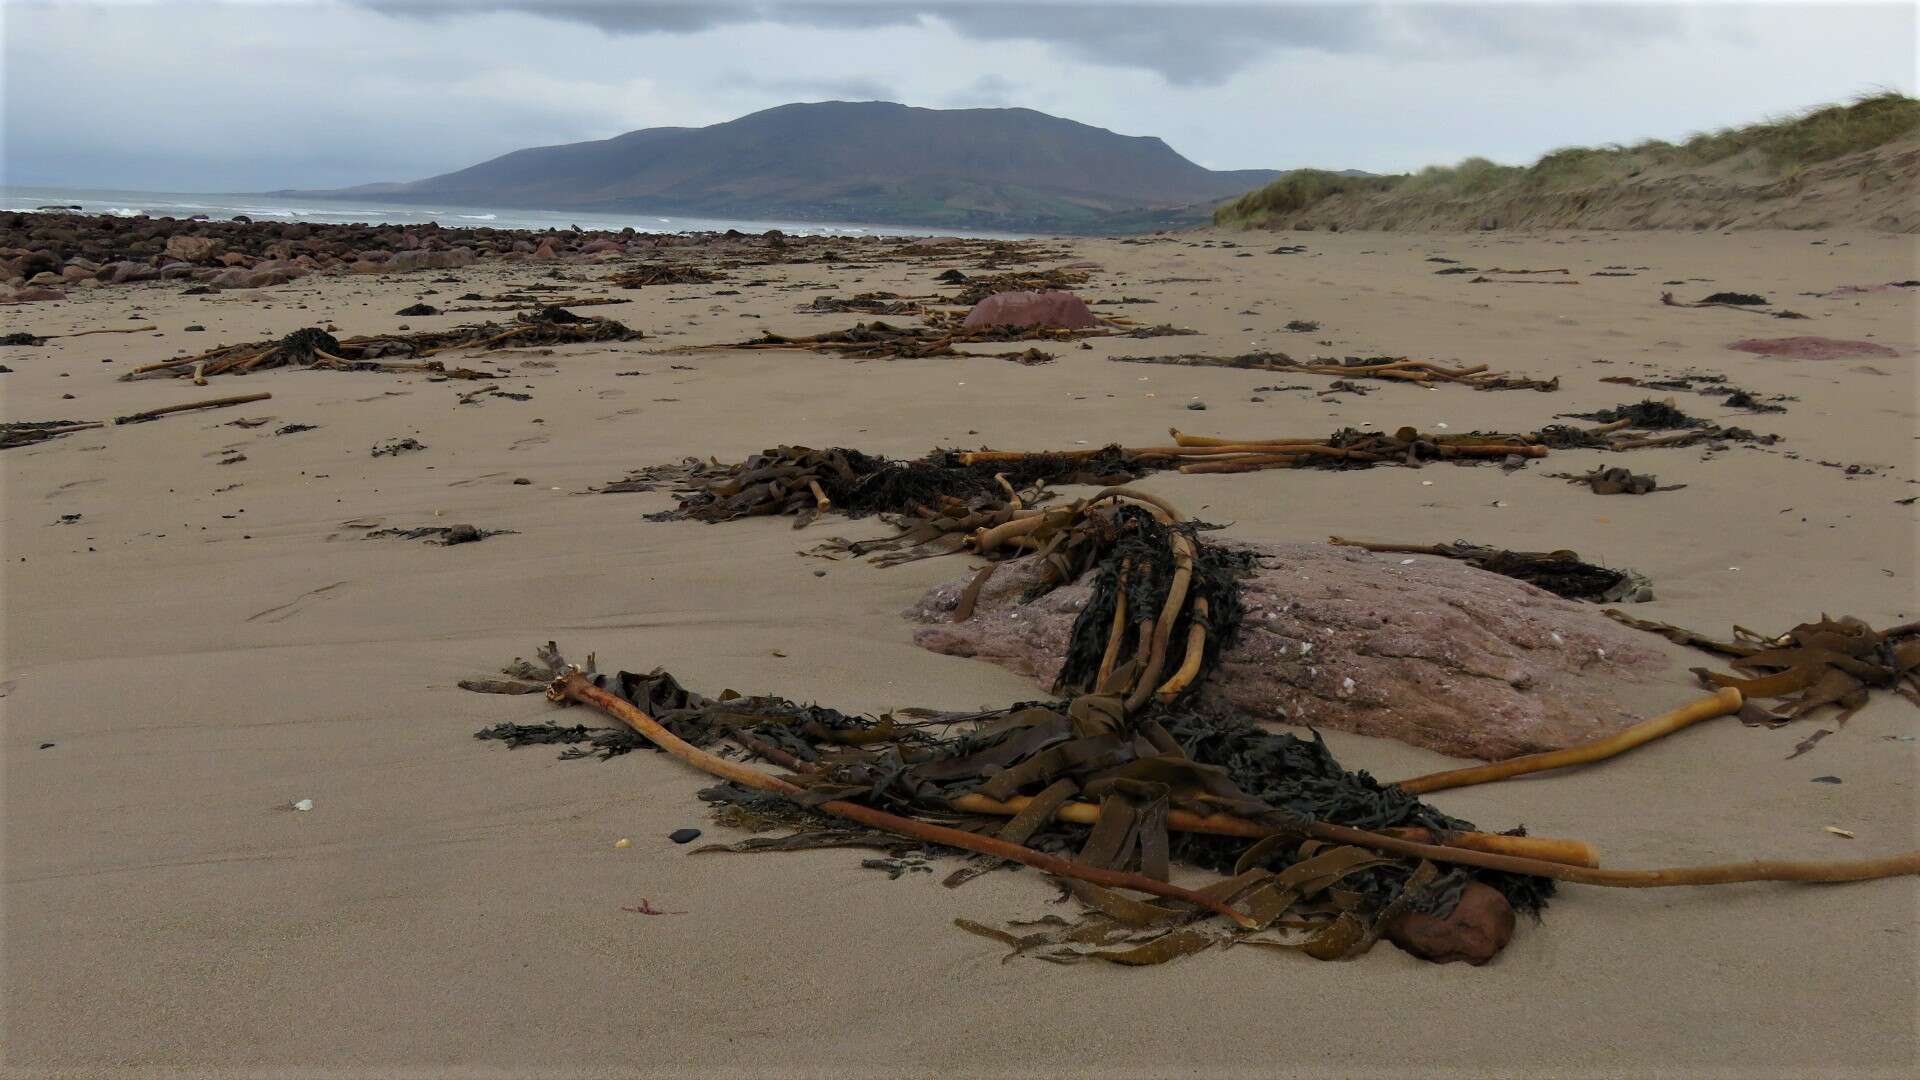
[{"x": 191, "y": 645}]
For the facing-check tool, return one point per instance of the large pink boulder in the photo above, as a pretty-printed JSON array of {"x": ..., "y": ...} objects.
[
  {"x": 1056, "y": 309},
  {"x": 1434, "y": 653},
  {"x": 1812, "y": 348}
]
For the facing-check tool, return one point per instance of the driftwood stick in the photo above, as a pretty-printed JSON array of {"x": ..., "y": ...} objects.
[
  {"x": 1728, "y": 700},
  {"x": 574, "y": 686},
  {"x": 214, "y": 403}
]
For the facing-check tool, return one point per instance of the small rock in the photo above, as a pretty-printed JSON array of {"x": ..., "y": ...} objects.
[
  {"x": 1197, "y": 406},
  {"x": 1825, "y": 780},
  {"x": 684, "y": 836},
  {"x": 622, "y": 844},
  {"x": 462, "y": 534},
  {"x": 303, "y": 805},
  {"x": 521, "y": 481},
  {"x": 196, "y": 328},
  {"x": 1479, "y": 926}
]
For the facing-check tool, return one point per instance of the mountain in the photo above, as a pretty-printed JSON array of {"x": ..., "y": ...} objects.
[{"x": 870, "y": 161}]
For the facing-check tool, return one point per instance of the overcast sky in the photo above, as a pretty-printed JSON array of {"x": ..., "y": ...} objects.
[{"x": 197, "y": 96}]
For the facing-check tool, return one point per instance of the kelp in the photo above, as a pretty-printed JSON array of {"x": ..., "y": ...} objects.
[
  {"x": 867, "y": 303},
  {"x": 879, "y": 340},
  {"x": 1650, "y": 414},
  {"x": 1732, "y": 301},
  {"x": 1709, "y": 385},
  {"x": 975, "y": 289},
  {"x": 1561, "y": 573},
  {"x": 664, "y": 274},
  {"x": 1617, "y": 481},
  {"x": 1332, "y": 901},
  {"x": 1831, "y": 662},
  {"x": 315, "y": 349},
  {"x": 1388, "y": 368},
  {"x": 442, "y": 535},
  {"x": 19, "y": 433},
  {"x": 1348, "y": 448},
  {"x": 782, "y": 480}
]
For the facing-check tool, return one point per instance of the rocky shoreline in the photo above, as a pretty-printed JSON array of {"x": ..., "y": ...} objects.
[{"x": 44, "y": 255}]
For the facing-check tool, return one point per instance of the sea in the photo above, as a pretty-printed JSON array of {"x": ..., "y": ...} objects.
[{"x": 221, "y": 207}]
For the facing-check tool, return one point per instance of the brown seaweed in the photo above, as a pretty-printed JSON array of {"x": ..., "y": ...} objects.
[
  {"x": 1394, "y": 369},
  {"x": 315, "y": 349},
  {"x": 887, "y": 341},
  {"x": 1561, "y": 573},
  {"x": 1832, "y": 662}
]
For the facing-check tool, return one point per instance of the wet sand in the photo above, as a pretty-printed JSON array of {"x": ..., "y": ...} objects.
[{"x": 208, "y": 643}]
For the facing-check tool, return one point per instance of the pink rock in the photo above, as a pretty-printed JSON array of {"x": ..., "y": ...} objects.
[
  {"x": 235, "y": 258},
  {"x": 1479, "y": 926},
  {"x": 192, "y": 248},
  {"x": 122, "y": 272},
  {"x": 1811, "y": 348},
  {"x": 260, "y": 279},
  {"x": 545, "y": 251},
  {"x": 31, "y": 294},
  {"x": 1436, "y": 654},
  {"x": 1058, "y": 309},
  {"x": 595, "y": 247}
]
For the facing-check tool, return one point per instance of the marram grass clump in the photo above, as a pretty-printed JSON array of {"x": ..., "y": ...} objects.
[{"x": 1778, "y": 147}]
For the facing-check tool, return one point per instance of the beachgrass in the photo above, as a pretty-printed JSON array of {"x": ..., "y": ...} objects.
[{"x": 1777, "y": 147}]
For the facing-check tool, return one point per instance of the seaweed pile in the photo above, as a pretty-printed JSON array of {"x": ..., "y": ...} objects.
[
  {"x": 802, "y": 481},
  {"x": 1401, "y": 369},
  {"x": 1088, "y": 781},
  {"x": 1107, "y": 787},
  {"x": 1830, "y": 662},
  {"x": 1616, "y": 481},
  {"x": 1709, "y": 385},
  {"x": 1649, "y": 414},
  {"x": 1348, "y": 448},
  {"x": 1734, "y": 301},
  {"x": 867, "y": 303},
  {"x": 18, "y": 433},
  {"x": 313, "y": 348},
  {"x": 975, "y": 289},
  {"x": 1561, "y": 573},
  {"x": 883, "y": 340},
  {"x": 664, "y": 274}
]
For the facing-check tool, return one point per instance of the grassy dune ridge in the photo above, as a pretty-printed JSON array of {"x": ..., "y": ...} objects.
[{"x": 1768, "y": 154}]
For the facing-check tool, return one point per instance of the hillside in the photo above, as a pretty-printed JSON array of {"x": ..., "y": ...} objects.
[
  {"x": 1840, "y": 166},
  {"x": 858, "y": 161}
]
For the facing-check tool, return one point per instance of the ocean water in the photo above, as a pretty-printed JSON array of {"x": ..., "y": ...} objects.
[{"x": 372, "y": 211}]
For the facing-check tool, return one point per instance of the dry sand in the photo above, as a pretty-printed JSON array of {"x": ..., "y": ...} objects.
[{"x": 207, "y": 644}]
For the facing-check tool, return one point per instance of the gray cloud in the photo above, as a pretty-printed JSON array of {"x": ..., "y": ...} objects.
[
  {"x": 203, "y": 95},
  {"x": 987, "y": 91},
  {"x": 1200, "y": 42},
  {"x": 802, "y": 88}
]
